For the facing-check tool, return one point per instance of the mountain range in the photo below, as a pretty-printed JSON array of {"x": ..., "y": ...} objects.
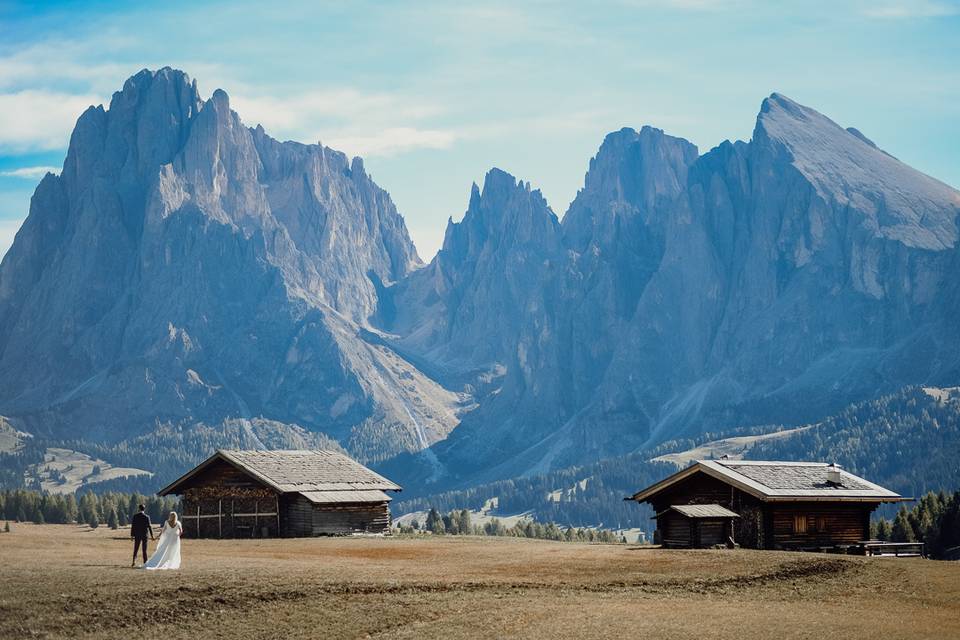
[{"x": 185, "y": 271}]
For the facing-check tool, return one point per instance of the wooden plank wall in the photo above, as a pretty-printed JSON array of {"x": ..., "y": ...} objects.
[
  {"x": 841, "y": 524},
  {"x": 675, "y": 530},
  {"x": 711, "y": 532},
  {"x": 351, "y": 518},
  {"x": 703, "y": 489},
  {"x": 296, "y": 515},
  {"x": 301, "y": 517}
]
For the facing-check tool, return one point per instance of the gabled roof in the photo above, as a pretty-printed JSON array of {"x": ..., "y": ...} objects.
[
  {"x": 698, "y": 511},
  {"x": 295, "y": 471},
  {"x": 780, "y": 481}
]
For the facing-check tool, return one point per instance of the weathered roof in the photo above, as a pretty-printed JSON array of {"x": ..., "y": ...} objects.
[
  {"x": 296, "y": 471},
  {"x": 370, "y": 495},
  {"x": 772, "y": 481},
  {"x": 702, "y": 511}
]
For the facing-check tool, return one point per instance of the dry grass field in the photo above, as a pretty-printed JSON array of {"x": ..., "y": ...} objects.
[{"x": 70, "y": 581}]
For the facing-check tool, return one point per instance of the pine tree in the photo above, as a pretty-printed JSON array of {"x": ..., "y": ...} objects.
[
  {"x": 112, "y": 519},
  {"x": 6, "y": 527},
  {"x": 902, "y": 531},
  {"x": 465, "y": 527},
  {"x": 70, "y": 509},
  {"x": 434, "y": 521},
  {"x": 93, "y": 522},
  {"x": 38, "y": 518}
]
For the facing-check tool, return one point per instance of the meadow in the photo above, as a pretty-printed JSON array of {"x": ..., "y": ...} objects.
[{"x": 63, "y": 581}]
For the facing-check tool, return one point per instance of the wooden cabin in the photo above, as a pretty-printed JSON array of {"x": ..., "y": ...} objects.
[
  {"x": 764, "y": 505},
  {"x": 695, "y": 525},
  {"x": 260, "y": 494}
]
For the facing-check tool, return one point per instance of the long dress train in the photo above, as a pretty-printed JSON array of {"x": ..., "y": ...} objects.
[{"x": 167, "y": 554}]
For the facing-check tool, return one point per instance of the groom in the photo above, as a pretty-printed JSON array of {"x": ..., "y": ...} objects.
[{"x": 139, "y": 526}]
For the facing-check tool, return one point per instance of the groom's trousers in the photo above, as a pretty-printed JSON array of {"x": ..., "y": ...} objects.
[{"x": 138, "y": 544}]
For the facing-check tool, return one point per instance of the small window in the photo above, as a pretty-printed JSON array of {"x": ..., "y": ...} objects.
[
  {"x": 821, "y": 524},
  {"x": 799, "y": 524}
]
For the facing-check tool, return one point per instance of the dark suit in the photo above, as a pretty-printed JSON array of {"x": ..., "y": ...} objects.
[{"x": 139, "y": 528}]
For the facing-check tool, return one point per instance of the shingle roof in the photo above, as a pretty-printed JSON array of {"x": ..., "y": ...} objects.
[
  {"x": 702, "y": 511},
  {"x": 323, "y": 497},
  {"x": 781, "y": 481},
  {"x": 298, "y": 471}
]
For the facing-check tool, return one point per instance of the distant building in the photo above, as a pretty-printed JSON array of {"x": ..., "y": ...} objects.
[
  {"x": 244, "y": 494},
  {"x": 764, "y": 505}
]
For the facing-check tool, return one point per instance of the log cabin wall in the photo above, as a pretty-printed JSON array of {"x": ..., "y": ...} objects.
[
  {"x": 351, "y": 518},
  {"x": 748, "y": 529},
  {"x": 798, "y": 525},
  {"x": 296, "y": 515},
  {"x": 304, "y": 518},
  {"x": 675, "y": 530}
]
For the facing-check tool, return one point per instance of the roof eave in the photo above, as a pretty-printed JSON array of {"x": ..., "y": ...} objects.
[{"x": 219, "y": 454}]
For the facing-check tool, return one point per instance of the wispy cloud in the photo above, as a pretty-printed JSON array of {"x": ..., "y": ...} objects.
[
  {"x": 29, "y": 173},
  {"x": 33, "y": 120},
  {"x": 912, "y": 9},
  {"x": 297, "y": 112},
  {"x": 359, "y": 123},
  {"x": 392, "y": 141}
]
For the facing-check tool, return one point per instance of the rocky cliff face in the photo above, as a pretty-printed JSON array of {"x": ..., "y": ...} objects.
[
  {"x": 185, "y": 269},
  {"x": 769, "y": 281}
]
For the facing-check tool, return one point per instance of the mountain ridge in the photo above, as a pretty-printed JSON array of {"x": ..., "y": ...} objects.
[{"x": 185, "y": 269}]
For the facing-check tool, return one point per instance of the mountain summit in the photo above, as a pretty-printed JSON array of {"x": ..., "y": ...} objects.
[
  {"x": 185, "y": 273},
  {"x": 186, "y": 269}
]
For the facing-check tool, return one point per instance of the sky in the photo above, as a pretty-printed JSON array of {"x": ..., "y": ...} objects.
[{"x": 434, "y": 94}]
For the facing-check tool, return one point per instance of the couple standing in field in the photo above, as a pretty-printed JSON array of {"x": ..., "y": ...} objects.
[{"x": 167, "y": 553}]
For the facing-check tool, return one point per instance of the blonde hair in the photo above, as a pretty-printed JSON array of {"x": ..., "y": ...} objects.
[{"x": 172, "y": 516}]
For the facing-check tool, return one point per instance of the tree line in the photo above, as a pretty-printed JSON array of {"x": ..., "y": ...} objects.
[
  {"x": 459, "y": 523},
  {"x": 934, "y": 521},
  {"x": 113, "y": 509},
  {"x": 907, "y": 441}
]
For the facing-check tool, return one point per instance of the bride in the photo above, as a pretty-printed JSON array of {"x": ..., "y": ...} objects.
[{"x": 167, "y": 554}]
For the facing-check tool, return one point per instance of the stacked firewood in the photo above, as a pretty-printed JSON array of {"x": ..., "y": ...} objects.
[{"x": 221, "y": 491}]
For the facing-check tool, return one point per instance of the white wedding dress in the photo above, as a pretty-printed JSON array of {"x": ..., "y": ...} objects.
[{"x": 167, "y": 554}]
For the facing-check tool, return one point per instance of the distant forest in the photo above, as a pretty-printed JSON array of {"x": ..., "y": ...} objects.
[{"x": 908, "y": 441}]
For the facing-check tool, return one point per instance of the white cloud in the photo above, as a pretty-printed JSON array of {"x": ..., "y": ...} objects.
[
  {"x": 8, "y": 230},
  {"x": 29, "y": 173},
  {"x": 32, "y": 120},
  {"x": 393, "y": 141},
  {"x": 84, "y": 65},
  {"x": 358, "y": 123},
  {"x": 298, "y": 111},
  {"x": 912, "y": 9}
]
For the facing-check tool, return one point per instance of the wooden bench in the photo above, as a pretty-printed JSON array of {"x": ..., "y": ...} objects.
[{"x": 897, "y": 549}]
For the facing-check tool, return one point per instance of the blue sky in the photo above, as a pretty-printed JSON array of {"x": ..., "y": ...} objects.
[{"x": 433, "y": 94}]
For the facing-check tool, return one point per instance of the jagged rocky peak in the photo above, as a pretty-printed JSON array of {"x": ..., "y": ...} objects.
[
  {"x": 640, "y": 165},
  {"x": 632, "y": 174},
  {"x": 146, "y": 124},
  {"x": 506, "y": 213},
  {"x": 847, "y": 169},
  {"x": 186, "y": 266}
]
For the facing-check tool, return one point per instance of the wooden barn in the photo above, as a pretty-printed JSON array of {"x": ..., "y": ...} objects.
[
  {"x": 764, "y": 505},
  {"x": 245, "y": 494}
]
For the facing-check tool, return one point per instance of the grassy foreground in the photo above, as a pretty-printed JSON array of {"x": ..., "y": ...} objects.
[{"x": 71, "y": 581}]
